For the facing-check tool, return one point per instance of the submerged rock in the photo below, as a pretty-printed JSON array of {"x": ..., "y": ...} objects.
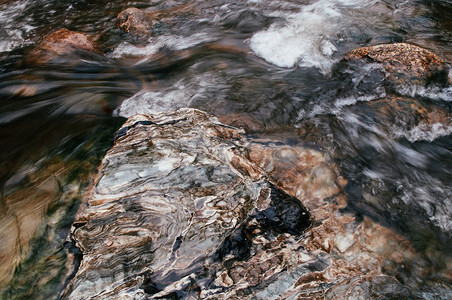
[
  {"x": 139, "y": 23},
  {"x": 62, "y": 42},
  {"x": 403, "y": 62},
  {"x": 24, "y": 210},
  {"x": 135, "y": 21},
  {"x": 184, "y": 206},
  {"x": 407, "y": 117}
]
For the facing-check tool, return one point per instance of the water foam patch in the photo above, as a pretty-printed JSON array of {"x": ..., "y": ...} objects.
[
  {"x": 423, "y": 132},
  {"x": 431, "y": 92},
  {"x": 150, "y": 102},
  {"x": 156, "y": 43},
  {"x": 438, "y": 209},
  {"x": 12, "y": 32},
  {"x": 307, "y": 38},
  {"x": 183, "y": 93}
]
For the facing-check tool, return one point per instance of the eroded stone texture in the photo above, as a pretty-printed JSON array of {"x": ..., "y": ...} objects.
[
  {"x": 302, "y": 172},
  {"x": 184, "y": 206},
  {"x": 61, "y": 42},
  {"x": 403, "y": 62},
  {"x": 173, "y": 196}
]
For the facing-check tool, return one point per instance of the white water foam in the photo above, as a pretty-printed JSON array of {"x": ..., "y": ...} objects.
[
  {"x": 156, "y": 43},
  {"x": 182, "y": 94},
  {"x": 12, "y": 33},
  {"x": 435, "y": 200},
  {"x": 423, "y": 132},
  {"x": 352, "y": 100},
  {"x": 307, "y": 38},
  {"x": 431, "y": 92},
  {"x": 150, "y": 102}
]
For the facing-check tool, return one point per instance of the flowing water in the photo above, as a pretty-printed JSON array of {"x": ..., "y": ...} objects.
[{"x": 272, "y": 67}]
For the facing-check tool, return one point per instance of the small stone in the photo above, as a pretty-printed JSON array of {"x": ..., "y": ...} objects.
[{"x": 135, "y": 21}]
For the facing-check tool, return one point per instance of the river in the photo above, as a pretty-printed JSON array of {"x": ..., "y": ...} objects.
[{"x": 272, "y": 67}]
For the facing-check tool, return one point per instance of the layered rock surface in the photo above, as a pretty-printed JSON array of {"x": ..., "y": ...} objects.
[
  {"x": 403, "y": 63},
  {"x": 184, "y": 206}
]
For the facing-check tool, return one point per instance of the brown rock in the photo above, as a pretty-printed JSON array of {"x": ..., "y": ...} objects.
[
  {"x": 135, "y": 21},
  {"x": 139, "y": 23},
  {"x": 401, "y": 60},
  {"x": 303, "y": 173},
  {"x": 61, "y": 42}
]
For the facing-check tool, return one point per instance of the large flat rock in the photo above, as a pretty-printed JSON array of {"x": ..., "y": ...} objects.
[{"x": 186, "y": 207}]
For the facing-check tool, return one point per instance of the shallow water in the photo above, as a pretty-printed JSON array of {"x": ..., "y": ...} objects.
[{"x": 270, "y": 66}]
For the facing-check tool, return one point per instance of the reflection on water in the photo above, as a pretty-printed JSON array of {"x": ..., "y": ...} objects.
[
  {"x": 41, "y": 197},
  {"x": 270, "y": 67}
]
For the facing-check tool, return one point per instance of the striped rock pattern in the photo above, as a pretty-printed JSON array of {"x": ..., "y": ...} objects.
[{"x": 185, "y": 207}]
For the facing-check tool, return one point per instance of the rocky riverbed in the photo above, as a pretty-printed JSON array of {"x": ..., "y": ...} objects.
[
  {"x": 184, "y": 206},
  {"x": 265, "y": 150}
]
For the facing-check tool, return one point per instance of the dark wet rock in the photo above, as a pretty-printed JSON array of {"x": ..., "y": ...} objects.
[
  {"x": 403, "y": 63},
  {"x": 135, "y": 21},
  {"x": 62, "y": 42},
  {"x": 185, "y": 207}
]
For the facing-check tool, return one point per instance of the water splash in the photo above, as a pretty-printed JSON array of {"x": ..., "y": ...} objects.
[
  {"x": 13, "y": 33},
  {"x": 145, "y": 51},
  {"x": 308, "y": 38}
]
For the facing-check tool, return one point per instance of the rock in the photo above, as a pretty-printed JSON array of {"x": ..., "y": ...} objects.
[
  {"x": 184, "y": 206},
  {"x": 411, "y": 112},
  {"x": 139, "y": 23},
  {"x": 135, "y": 21},
  {"x": 403, "y": 62},
  {"x": 62, "y": 42},
  {"x": 407, "y": 117},
  {"x": 174, "y": 196},
  {"x": 238, "y": 120}
]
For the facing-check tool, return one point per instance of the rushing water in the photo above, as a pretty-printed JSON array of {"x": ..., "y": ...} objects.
[{"x": 271, "y": 65}]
